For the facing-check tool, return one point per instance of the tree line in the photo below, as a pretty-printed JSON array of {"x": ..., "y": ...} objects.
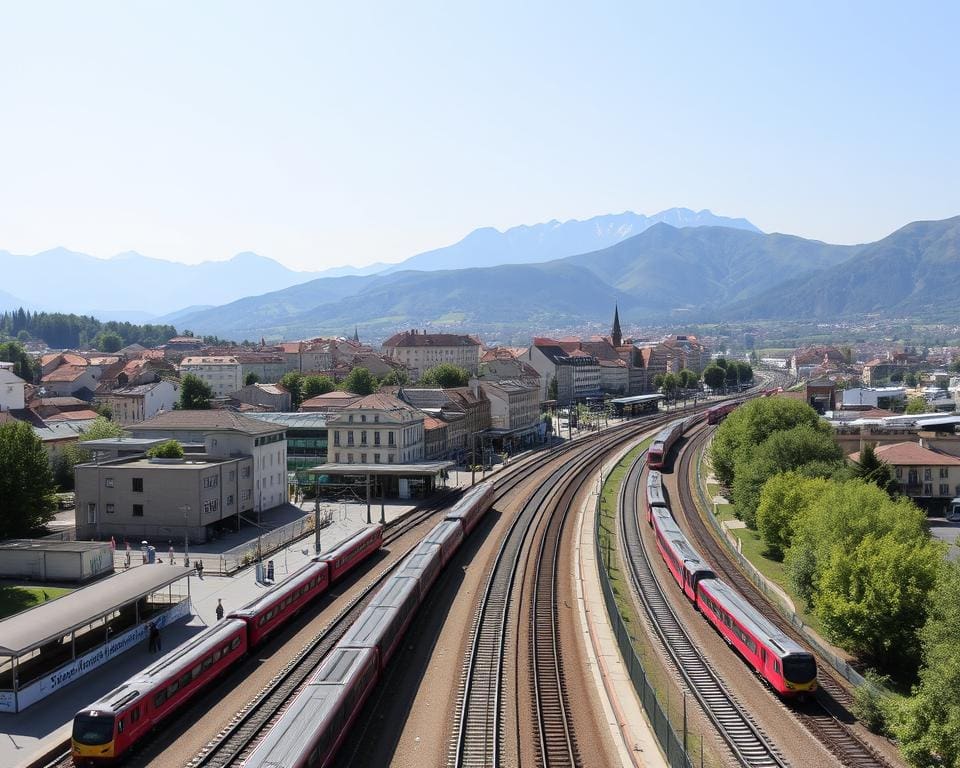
[
  {"x": 862, "y": 559},
  {"x": 68, "y": 331}
]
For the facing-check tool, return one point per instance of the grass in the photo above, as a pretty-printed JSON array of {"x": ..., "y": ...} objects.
[
  {"x": 14, "y": 599},
  {"x": 657, "y": 675}
]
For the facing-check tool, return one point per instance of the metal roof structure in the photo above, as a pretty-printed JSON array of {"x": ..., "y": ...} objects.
[
  {"x": 422, "y": 469},
  {"x": 52, "y": 620},
  {"x": 635, "y": 399},
  {"x": 302, "y": 420}
]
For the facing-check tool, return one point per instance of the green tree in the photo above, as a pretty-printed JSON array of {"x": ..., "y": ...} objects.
[
  {"x": 27, "y": 498},
  {"x": 24, "y": 365},
  {"x": 670, "y": 384},
  {"x": 292, "y": 381},
  {"x": 444, "y": 376},
  {"x": 195, "y": 394},
  {"x": 784, "y": 498},
  {"x": 108, "y": 341},
  {"x": 744, "y": 372},
  {"x": 751, "y": 424},
  {"x": 688, "y": 379},
  {"x": 917, "y": 405},
  {"x": 871, "y": 469},
  {"x": 317, "y": 385},
  {"x": 359, "y": 381},
  {"x": 910, "y": 379},
  {"x": 721, "y": 362},
  {"x": 896, "y": 377},
  {"x": 658, "y": 380},
  {"x": 714, "y": 377},
  {"x": 552, "y": 389},
  {"x": 398, "y": 377},
  {"x": 928, "y": 725},
  {"x": 250, "y": 378},
  {"x": 169, "y": 449},
  {"x": 783, "y": 451}
]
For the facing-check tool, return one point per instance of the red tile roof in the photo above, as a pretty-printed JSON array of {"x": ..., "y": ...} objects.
[
  {"x": 416, "y": 339},
  {"x": 65, "y": 373},
  {"x": 911, "y": 454}
]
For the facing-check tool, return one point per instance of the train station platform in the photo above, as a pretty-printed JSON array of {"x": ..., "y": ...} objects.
[
  {"x": 47, "y": 647},
  {"x": 28, "y": 736}
]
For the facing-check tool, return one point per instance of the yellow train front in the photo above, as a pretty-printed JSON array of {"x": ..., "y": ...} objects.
[{"x": 94, "y": 741}]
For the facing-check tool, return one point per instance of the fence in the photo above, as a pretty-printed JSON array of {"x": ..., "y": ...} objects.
[
  {"x": 239, "y": 557},
  {"x": 671, "y": 743}
]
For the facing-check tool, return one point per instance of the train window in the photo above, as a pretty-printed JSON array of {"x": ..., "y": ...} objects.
[
  {"x": 226, "y": 650},
  {"x": 235, "y": 643},
  {"x": 173, "y": 688},
  {"x": 119, "y": 725},
  {"x": 218, "y": 653},
  {"x": 159, "y": 699},
  {"x": 207, "y": 662},
  {"x": 776, "y": 666},
  {"x": 135, "y": 715},
  {"x": 185, "y": 679},
  {"x": 195, "y": 672}
]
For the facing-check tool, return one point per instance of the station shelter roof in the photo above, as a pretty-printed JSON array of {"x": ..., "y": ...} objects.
[
  {"x": 52, "y": 620},
  {"x": 420, "y": 469},
  {"x": 635, "y": 399}
]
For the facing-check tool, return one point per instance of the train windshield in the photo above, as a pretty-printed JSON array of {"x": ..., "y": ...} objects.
[
  {"x": 800, "y": 668},
  {"x": 92, "y": 730}
]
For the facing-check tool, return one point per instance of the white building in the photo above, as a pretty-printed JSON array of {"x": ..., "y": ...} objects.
[
  {"x": 421, "y": 351},
  {"x": 377, "y": 429},
  {"x": 129, "y": 405},
  {"x": 223, "y": 374},
  {"x": 11, "y": 388}
]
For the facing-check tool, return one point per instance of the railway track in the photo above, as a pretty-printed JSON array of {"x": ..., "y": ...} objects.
[
  {"x": 821, "y": 716},
  {"x": 735, "y": 725}
]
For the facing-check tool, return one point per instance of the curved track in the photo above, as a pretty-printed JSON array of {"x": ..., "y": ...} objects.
[
  {"x": 817, "y": 715},
  {"x": 743, "y": 736}
]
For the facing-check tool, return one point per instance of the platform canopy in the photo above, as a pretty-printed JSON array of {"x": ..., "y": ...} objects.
[
  {"x": 636, "y": 399},
  {"x": 420, "y": 469},
  {"x": 54, "y": 619}
]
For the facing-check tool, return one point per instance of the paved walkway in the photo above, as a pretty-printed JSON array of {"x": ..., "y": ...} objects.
[
  {"x": 27, "y": 735},
  {"x": 636, "y": 743}
]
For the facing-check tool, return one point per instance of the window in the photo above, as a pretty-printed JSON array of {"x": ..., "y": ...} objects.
[
  {"x": 376, "y": 458},
  {"x": 138, "y": 510},
  {"x": 363, "y": 417},
  {"x": 390, "y": 458},
  {"x": 91, "y": 512},
  {"x": 336, "y": 457},
  {"x": 349, "y": 458},
  {"x": 350, "y": 418},
  {"x": 927, "y": 473},
  {"x": 244, "y": 495},
  {"x": 391, "y": 440},
  {"x": 336, "y": 437},
  {"x": 363, "y": 458},
  {"x": 944, "y": 491},
  {"x": 108, "y": 482},
  {"x": 233, "y": 474},
  {"x": 245, "y": 472},
  {"x": 376, "y": 437},
  {"x": 210, "y": 482},
  {"x": 944, "y": 473},
  {"x": 350, "y": 437},
  {"x": 230, "y": 500},
  {"x": 899, "y": 473},
  {"x": 376, "y": 418},
  {"x": 111, "y": 508},
  {"x": 928, "y": 489},
  {"x": 138, "y": 485},
  {"x": 363, "y": 438}
]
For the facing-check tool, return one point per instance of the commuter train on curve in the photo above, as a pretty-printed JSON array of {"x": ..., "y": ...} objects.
[
  {"x": 660, "y": 447},
  {"x": 786, "y": 666}
]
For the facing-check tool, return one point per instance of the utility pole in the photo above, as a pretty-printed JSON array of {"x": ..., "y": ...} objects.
[{"x": 186, "y": 535}]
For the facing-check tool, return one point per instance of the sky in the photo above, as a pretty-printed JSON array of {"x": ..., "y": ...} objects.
[{"x": 324, "y": 134}]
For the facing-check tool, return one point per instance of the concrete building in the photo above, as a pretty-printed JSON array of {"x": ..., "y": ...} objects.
[
  {"x": 873, "y": 397},
  {"x": 268, "y": 367},
  {"x": 11, "y": 389},
  {"x": 307, "y": 440},
  {"x": 420, "y": 351},
  {"x": 576, "y": 373},
  {"x": 377, "y": 429},
  {"x": 306, "y": 356},
  {"x": 227, "y": 435},
  {"x": 163, "y": 499},
  {"x": 272, "y": 396},
  {"x": 44, "y": 560},
  {"x": 466, "y": 411},
  {"x": 223, "y": 374},
  {"x": 129, "y": 405},
  {"x": 614, "y": 377},
  {"x": 514, "y": 413}
]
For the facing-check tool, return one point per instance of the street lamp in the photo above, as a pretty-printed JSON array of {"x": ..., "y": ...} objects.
[{"x": 186, "y": 536}]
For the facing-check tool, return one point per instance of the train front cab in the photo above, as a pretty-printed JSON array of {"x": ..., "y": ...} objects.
[{"x": 94, "y": 739}]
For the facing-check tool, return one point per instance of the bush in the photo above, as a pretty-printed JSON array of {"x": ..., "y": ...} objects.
[
  {"x": 871, "y": 704},
  {"x": 171, "y": 449}
]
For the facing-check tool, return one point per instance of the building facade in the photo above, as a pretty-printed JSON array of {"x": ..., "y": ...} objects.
[
  {"x": 223, "y": 374},
  {"x": 377, "y": 429},
  {"x": 11, "y": 389},
  {"x": 129, "y": 405},
  {"x": 420, "y": 351}
]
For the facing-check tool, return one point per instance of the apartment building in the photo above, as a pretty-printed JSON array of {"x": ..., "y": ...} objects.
[
  {"x": 376, "y": 429},
  {"x": 419, "y": 351},
  {"x": 222, "y": 373},
  {"x": 129, "y": 405}
]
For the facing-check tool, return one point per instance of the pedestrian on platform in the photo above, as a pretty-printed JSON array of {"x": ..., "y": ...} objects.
[
  {"x": 200, "y": 568},
  {"x": 153, "y": 633},
  {"x": 219, "y": 609}
]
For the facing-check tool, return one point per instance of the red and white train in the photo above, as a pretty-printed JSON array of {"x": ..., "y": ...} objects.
[
  {"x": 107, "y": 729},
  {"x": 660, "y": 447},
  {"x": 787, "y": 666},
  {"x": 718, "y": 413},
  {"x": 310, "y": 731}
]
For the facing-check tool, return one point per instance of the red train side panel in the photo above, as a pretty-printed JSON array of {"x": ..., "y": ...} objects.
[{"x": 352, "y": 551}]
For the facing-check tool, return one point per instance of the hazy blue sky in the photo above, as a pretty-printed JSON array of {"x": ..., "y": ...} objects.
[{"x": 325, "y": 134}]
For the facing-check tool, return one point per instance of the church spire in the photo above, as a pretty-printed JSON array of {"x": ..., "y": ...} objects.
[
  {"x": 356, "y": 335},
  {"x": 615, "y": 335}
]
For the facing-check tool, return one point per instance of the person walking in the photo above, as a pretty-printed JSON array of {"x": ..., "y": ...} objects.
[
  {"x": 200, "y": 568},
  {"x": 219, "y": 609},
  {"x": 152, "y": 632}
]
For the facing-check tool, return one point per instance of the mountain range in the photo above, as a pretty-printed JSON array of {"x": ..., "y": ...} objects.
[
  {"x": 69, "y": 281},
  {"x": 663, "y": 275}
]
